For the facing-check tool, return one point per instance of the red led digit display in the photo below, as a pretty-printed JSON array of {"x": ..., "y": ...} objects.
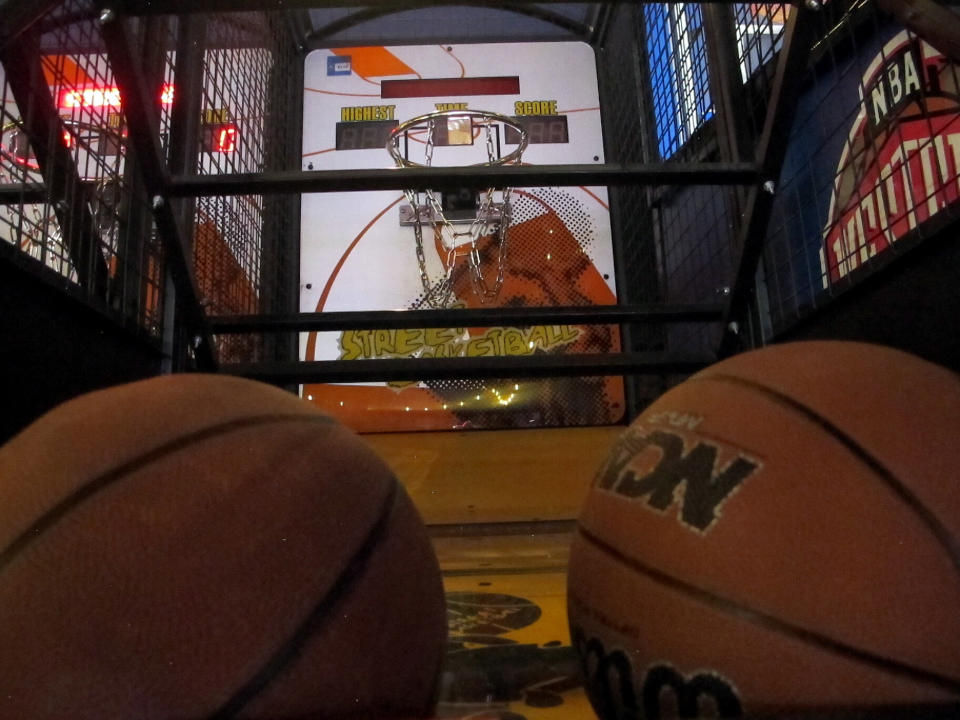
[
  {"x": 540, "y": 129},
  {"x": 99, "y": 97},
  {"x": 219, "y": 138},
  {"x": 90, "y": 97},
  {"x": 364, "y": 135}
]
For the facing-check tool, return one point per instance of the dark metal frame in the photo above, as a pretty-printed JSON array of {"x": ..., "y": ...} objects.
[
  {"x": 467, "y": 317},
  {"x": 172, "y": 185},
  {"x": 458, "y": 177},
  {"x": 524, "y": 366},
  {"x": 70, "y": 198},
  {"x": 771, "y": 150},
  {"x": 145, "y": 137}
]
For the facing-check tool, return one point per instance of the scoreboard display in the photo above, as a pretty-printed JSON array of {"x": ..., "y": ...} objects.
[
  {"x": 364, "y": 134},
  {"x": 358, "y": 249}
]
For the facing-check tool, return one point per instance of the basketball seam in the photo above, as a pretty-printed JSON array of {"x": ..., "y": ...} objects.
[
  {"x": 86, "y": 491},
  {"x": 942, "y": 535},
  {"x": 290, "y": 650},
  {"x": 771, "y": 622}
]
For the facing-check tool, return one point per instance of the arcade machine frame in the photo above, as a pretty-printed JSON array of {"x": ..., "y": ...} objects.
[
  {"x": 163, "y": 272},
  {"x": 165, "y": 250}
]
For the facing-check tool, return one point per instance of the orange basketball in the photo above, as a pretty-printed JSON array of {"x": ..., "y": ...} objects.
[
  {"x": 209, "y": 547},
  {"x": 778, "y": 533}
]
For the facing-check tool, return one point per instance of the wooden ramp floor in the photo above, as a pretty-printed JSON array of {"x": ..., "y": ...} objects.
[
  {"x": 509, "y": 654},
  {"x": 501, "y": 507}
]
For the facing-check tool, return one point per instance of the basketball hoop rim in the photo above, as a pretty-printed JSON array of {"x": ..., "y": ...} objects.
[{"x": 512, "y": 157}]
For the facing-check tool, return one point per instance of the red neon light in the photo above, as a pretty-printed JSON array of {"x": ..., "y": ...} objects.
[
  {"x": 27, "y": 162},
  {"x": 90, "y": 97},
  {"x": 95, "y": 97}
]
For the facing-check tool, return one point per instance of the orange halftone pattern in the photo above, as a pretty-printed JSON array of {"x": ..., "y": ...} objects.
[
  {"x": 772, "y": 11},
  {"x": 221, "y": 280},
  {"x": 546, "y": 265},
  {"x": 224, "y": 287}
]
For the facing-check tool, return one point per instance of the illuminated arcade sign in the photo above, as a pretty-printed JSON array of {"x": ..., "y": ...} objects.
[
  {"x": 99, "y": 97},
  {"x": 218, "y": 134},
  {"x": 901, "y": 159}
]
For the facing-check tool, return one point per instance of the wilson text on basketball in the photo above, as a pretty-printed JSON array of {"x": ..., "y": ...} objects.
[{"x": 611, "y": 683}]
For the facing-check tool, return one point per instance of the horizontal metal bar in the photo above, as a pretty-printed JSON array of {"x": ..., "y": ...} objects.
[
  {"x": 26, "y": 193},
  {"x": 798, "y": 36},
  {"x": 456, "y": 177},
  {"x": 513, "y": 366},
  {"x": 472, "y": 317},
  {"x": 177, "y": 7}
]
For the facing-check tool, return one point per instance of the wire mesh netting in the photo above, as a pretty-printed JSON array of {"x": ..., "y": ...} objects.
[
  {"x": 70, "y": 201},
  {"x": 759, "y": 29},
  {"x": 696, "y": 227},
  {"x": 678, "y": 78},
  {"x": 628, "y": 142},
  {"x": 73, "y": 198},
  {"x": 871, "y": 160},
  {"x": 241, "y": 242}
]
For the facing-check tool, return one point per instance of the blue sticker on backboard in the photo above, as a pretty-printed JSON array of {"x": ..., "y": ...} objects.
[{"x": 338, "y": 65}]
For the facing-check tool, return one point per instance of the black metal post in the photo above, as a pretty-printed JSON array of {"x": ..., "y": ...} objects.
[
  {"x": 930, "y": 20},
  {"x": 28, "y": 193},
  {"x": 726, "y": 90},
  {"x": 280, "y": 254},
  {"x": 184, "y": 143},
  {"x": 771, "y": 150},
  {"x": 21, "y": 15},
  {"x": 145, "y": 139}
]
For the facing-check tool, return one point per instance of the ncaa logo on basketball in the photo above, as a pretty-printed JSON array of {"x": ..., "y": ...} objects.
[
  {"x": 339, "y": 65},
  {"x": 667, "y": 464}
]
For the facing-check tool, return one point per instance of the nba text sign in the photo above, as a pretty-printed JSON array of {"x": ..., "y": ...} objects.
[
  {"x": 901, "y": 161},
  {"x": 359, "y": 249}
]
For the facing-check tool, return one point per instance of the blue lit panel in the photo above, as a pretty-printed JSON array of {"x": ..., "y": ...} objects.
[{"x": 679, "y": 82}]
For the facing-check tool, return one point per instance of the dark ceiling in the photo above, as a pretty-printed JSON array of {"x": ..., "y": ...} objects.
[
  {"x": 339, "y": 23},
  {"x": 507, "y": 22}
]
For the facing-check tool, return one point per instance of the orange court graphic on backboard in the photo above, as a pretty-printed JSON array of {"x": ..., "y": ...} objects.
[{"x": 359, "y": 249}]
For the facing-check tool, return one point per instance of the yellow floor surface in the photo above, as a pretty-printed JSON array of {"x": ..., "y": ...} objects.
[
  {"x": 497, "y": 475},
  {"x": 501, "y": 507},
  {"x": 509, "y": 654}
]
